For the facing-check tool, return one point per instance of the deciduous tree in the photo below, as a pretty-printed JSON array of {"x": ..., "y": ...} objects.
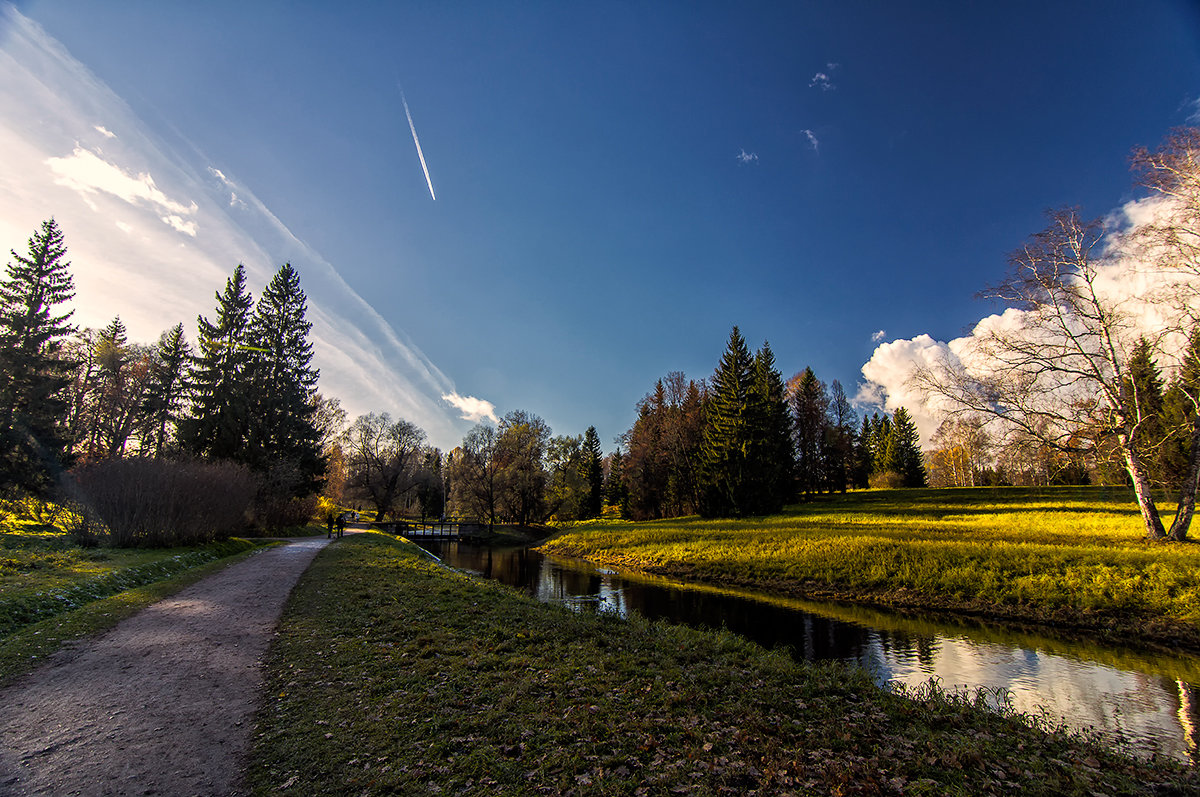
[{"x": 382, "y": 460}]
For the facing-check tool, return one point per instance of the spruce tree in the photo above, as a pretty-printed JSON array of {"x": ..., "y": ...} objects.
[
  {"x": 774, "y": 459},
  {"x": 282, "y": 433},
  {"x": 168, "y": 388},
  {"x": 810, "y": 410},
  {"x": 1143, "y": 387},
  {"x": 904, "y": 450},
  {"x": 35, "y": 374},
  {"x": 616, "y": 489},
  {"x": 218, "y": 422},
  {"x": 726, "y": 473},
  {"x": 593, "y": 473}
]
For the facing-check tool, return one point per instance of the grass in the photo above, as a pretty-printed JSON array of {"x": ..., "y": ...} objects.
[
  {"x": 53, "y": 591},
  {"x": 1059, "y": 556},
  {"x": 25, "y": 648},
  {"x": 391, "y": 675}
]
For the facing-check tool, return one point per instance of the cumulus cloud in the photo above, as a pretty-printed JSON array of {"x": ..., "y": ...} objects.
[
  {"x": 472, "y": 409},
  {"x": 1126, "y": 283},
  {"x": 878, "y": 336},
  {"x": 104, "y": 131},
  {"x": 823, "y": 80},
  {"x": 889, "y": 375},
  {"x": 812, "y": 140},
  {"x": 124, "y": 207},
  {"x": 747, "y": 157}
]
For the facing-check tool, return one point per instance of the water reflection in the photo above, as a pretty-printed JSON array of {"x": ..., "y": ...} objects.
[{"x": 1152, "y": 706}]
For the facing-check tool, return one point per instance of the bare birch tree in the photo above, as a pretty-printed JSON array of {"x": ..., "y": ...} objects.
[{"x": 1057, "y": 372}]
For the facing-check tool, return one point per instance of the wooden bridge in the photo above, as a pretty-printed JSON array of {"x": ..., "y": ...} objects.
[{"x": 448, "y": 529}]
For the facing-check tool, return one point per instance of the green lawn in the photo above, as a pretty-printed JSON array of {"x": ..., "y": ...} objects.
[
  {"x": 392, "y": 675},
  {"x": 1061, "y": 555},
  {"x": 52, "y": 590}
]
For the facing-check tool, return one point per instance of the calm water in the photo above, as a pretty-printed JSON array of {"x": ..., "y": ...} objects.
[{"x": 1146, "y": 703}]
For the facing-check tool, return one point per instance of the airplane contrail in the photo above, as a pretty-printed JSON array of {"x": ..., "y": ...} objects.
[{"x": 417, "y": 141}]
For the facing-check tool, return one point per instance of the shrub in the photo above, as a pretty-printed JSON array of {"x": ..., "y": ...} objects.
[
  {"x": 158, "y": 503},
  {"x": 887, "y": 480},
  {"x": 275, "y": 512}
]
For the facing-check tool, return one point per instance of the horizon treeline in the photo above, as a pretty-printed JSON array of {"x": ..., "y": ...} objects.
[
  {"x": 746, "y": 443},
  {"x": 244, "y": 396}
]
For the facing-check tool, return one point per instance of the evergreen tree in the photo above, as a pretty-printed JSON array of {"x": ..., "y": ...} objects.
[
  {"x": 168, "y": 388},
  {"x": 773, "y": 457},
  {"x": 904, "y": 450},
  {"x": 1143, "y": 389},
  {"x": 593, "y": 473},
  {"x": 616, "y": 490},
  {"x": 728, "y": 430},
  {"x": 810, "y": 413},
  {"x": 864, "y": 456},
  {"x": 282, "y": 432},
  {"x": 35, "y": 374},
  {"x": 218, "y": 422}
]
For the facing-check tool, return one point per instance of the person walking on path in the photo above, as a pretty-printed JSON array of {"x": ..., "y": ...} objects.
[{"x": 163, "y": 702}]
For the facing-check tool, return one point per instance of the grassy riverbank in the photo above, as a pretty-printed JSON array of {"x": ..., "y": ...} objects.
[
  {"x": 393, "y": 675},
  {"x": 1062, "y": 557}
]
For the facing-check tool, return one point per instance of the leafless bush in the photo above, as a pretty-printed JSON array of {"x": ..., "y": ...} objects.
[
  {"x": 158, "y": 503},
  {"x": 887, "y": 480},
  {"x": 275, "y": 512}
]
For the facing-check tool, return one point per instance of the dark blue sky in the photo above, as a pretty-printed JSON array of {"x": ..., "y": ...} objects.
[{"x": 595, "y": 226}]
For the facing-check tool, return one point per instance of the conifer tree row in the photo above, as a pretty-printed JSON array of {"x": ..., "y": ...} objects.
[{"x": 253, "y": 387}]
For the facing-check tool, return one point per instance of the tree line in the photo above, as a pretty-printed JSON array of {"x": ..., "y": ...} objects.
[{"x": 746, "y": 443}]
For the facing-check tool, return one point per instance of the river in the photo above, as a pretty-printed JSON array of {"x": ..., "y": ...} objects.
[{"x": 1142, "y": 702}]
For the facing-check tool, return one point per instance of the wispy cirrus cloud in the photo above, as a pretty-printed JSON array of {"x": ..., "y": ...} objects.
[
  {"x": 747, "y": 157},
  {"x": 153, "y": 233},
  {"x": 813, "y": 141}
]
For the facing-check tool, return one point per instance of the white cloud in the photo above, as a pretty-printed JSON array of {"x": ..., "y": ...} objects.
[
  {"x": 123, "y": 209},
  {"x": 86, "y": 172},
  {"x": 878, "y": 336},
  {"x": 472, "y": 409},
  {"x": 104, "y": 131},
  {"x": 1131, "y": 287},
  {"x": 824, "y": 80},
  {"x": 812, "y": 140},
  {"x": 747, "y": 157},
  {"x": 889, "y": 373}
]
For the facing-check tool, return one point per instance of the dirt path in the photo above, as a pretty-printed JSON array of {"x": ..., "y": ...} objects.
[{"x": 162, "y": 703}]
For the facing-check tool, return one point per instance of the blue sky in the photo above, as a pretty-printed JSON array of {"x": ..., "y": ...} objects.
[{"x": 617, "y": 183}]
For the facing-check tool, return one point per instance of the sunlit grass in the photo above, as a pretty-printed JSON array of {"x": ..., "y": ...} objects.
[
  {"x": 1079, "y": 549},
  {"x": 44, "y": 574}
]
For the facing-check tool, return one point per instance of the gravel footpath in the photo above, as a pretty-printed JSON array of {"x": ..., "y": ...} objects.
[{"x": 162, "y": 703}]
